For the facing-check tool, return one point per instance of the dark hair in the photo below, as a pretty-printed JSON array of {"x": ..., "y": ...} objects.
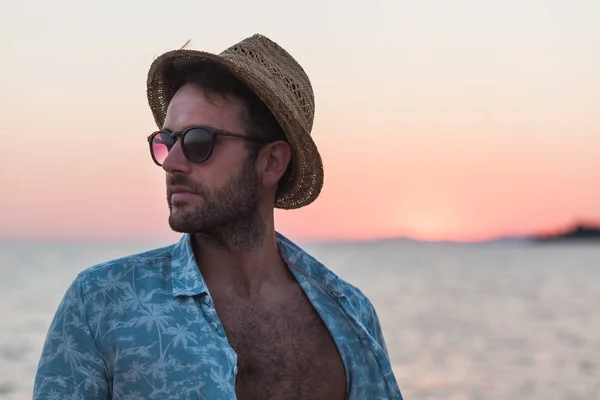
[{"x": 216, "y": 79}]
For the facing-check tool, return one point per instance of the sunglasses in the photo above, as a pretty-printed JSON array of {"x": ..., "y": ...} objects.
[{"x": 197, "y": 143}]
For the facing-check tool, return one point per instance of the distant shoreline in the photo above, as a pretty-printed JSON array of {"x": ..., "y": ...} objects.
[
  {"x": 581, "y": 233},
  {"x": 578, "y": 233}
]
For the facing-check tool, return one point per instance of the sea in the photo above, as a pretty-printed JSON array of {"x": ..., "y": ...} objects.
[{"x": 488, "y": 321}]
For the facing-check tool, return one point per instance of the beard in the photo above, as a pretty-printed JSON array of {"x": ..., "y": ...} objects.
[{"x": 228, "y": 217}]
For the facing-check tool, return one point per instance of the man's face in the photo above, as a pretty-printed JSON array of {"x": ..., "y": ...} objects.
[{"x": 225, "y": 188}]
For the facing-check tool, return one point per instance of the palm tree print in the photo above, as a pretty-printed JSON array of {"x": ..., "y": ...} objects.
[{"x": 137, "y": 328}]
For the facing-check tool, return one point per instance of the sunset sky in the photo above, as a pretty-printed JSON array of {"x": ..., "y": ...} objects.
[{"x": 438, "y": 120}]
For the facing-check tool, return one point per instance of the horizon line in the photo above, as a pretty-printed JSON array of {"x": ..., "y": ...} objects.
[{"x": 175, "y": 236}]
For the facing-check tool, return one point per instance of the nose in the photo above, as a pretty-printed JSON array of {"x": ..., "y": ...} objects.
[{"x": 176, "y": 161}]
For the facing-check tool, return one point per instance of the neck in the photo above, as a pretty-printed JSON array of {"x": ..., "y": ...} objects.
[{"x": 244, "y": 261}]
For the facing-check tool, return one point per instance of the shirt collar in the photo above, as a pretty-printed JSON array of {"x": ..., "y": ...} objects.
[
  {"x": 185, "y": 274},
  {"x": 188, "y": 281}
]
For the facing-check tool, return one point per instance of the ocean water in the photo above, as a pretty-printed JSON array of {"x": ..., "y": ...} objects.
[{"x": 462, "y": 322}]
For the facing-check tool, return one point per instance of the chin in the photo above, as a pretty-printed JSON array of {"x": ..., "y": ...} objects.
[
  {"x": 183, "y": 217},
  {"x": 179, "y": 223}
]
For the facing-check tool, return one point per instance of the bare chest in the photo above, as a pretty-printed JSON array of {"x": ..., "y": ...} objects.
[{"x": 285, "y": 352}]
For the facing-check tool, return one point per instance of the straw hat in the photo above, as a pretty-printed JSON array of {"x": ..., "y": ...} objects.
[{"x": 281, "y": 83}]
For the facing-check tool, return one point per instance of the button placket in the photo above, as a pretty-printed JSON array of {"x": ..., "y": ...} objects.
[{"x": 210, "y": 314}]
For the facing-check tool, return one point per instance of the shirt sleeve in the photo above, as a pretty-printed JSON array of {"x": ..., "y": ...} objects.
[{"x": 71, "y": 365}]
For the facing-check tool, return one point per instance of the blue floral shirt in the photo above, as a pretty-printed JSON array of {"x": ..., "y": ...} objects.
[{"x": 145, "y": 327}]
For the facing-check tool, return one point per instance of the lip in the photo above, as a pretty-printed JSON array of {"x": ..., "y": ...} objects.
[
  {"x": 182, "y": 196},
  {"x": 178, "y": 193},
  {"x": 179, "y": 189}
]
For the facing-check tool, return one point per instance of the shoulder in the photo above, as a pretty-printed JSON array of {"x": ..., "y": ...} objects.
[
  {"x": 361, "y": 305},
  {"x": 114, "y": 273},
  {"x": 356, "y": 302},
  {"x": 147, "y": 259},
  {"x": 363, "y": 309}
]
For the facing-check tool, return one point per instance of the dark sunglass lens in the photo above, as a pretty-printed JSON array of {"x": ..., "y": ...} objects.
[
  {"x": 161, "y": 144},
  {"x": 198, "y": 145}
]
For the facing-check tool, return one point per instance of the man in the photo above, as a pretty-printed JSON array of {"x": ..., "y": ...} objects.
[{"x": 234, "y": 310}]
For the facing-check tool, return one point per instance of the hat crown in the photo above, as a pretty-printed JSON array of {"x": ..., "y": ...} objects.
[{"x": 279, "y": 72}]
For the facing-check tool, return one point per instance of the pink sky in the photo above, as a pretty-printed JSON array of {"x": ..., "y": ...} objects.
[{"x": 437, "y": 125}]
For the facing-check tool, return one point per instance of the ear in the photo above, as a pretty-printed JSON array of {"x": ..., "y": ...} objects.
[{"x": 275, "y": 158}]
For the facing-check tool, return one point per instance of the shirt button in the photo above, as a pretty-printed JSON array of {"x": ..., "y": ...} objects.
[
  {"x": 235, "y": 370},
  {"x": 214, "y": 325},
  {"x": 206, "y": 299}
]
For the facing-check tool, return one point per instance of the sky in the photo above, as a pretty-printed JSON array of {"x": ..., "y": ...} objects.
[{"x": 437, "y": 120}]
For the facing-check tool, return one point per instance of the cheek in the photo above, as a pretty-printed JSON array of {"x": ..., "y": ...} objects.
[
  {"x": 209, "y": 177},
  {"x": 228, "y": 159},
  {"x": 225, "y": 163}
]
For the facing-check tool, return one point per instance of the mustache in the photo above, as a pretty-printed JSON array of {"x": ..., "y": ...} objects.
[{"x": 182, "y": 181}]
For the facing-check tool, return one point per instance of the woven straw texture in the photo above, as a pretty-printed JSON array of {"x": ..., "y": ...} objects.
[{"x": 281, "y": 83}]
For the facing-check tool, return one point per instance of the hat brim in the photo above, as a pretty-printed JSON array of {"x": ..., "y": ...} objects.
[{"x": 304, "y": 180}]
